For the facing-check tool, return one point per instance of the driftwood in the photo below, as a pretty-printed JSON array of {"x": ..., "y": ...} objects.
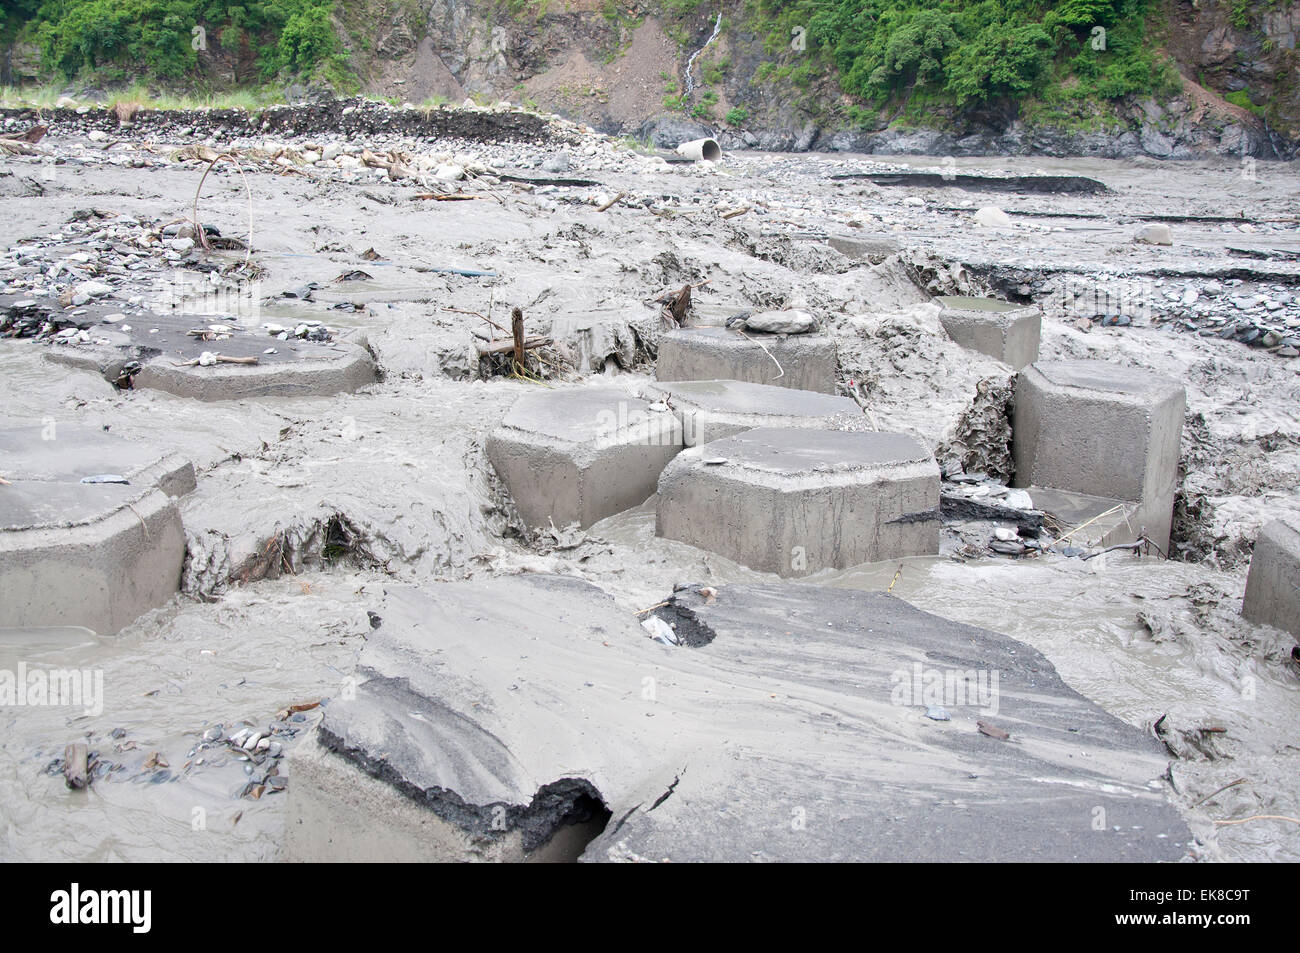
[
  {"x": 18, "y": 147},
  {"x": 507, "y": 345},
  {"x": 221, "y": 359},
  {"x": 675, "y": 305},
  {"x": 957, "y": 507},
  {"x": 612, "y": 202},
  {"x": 564, "y": 183},
  {"x": 76, "y": 772},
  {"x": 393, "y": 163},
  {"x": 517, "y": 333}
]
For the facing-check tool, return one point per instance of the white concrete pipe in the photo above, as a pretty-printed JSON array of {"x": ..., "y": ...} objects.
[{"x": 701, "y": 149}]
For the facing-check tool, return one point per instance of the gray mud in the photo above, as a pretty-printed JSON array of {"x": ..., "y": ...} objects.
[{"x": 306, "y": 508}]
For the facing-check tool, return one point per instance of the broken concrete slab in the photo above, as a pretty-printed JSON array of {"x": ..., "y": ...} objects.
[
  {"x": 157, "y": 351},
  {"x": 712, "y": 410},
  {"x": 1105, "y": 431},
  {"x": 504, "y": 718},
  {"x": 1004, "y": 331},
  {"x": 800, "y": 361},
  {"x": 1273, "y": 584},
  {"x": 583, "y": 454},
  {"x": 794, "y": 501},
  {"x": 89, "y": 533}
]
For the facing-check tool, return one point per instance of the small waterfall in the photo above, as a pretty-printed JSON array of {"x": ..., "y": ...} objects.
[{"x": 690, "y": 82}]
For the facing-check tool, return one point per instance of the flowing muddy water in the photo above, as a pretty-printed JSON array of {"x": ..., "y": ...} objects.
[{"x": 392, "y": 484}]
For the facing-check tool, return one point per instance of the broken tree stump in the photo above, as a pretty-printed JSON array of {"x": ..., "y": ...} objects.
[{"x": 517, "y": 329}]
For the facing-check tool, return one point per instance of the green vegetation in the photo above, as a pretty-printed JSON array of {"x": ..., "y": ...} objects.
[
  {"x": 912, "y": 62},
  {"x": 164, "y": 39},
  {"x": 969, "y": 53},
  {"x": 1242, "y": 98},
  {"x": 737, "y": 116}
]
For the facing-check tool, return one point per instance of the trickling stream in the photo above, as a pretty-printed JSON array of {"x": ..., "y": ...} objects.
[{"x": 690, "y": 81}]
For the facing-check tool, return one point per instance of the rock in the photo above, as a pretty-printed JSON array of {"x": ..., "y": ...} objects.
[
  {"x": 993, "y": 217},
  {"x": 782, "y": 322},
  {"x": 96, "y": 135},
  {"x": 556, "y": 163},
  {"x": 449, "y": 173},
  {"x": 94, "y": 289},
  {"x": 1155, "y": 234}
]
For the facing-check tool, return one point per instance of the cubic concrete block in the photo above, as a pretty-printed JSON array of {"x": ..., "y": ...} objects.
[
  {"x": 581, "y": 455},
  {"x": 506, "y": 719},
  {"x": 1111, "y": 432},
  {"x": 712, "y": 410},
  {"x": 94, "y": 554},
  {"x": 1273, "y": 585},
  {"x": 1006, "y": 332},
  {"x": 807, "y": 361},
  {"x": 794, "y": 502}
]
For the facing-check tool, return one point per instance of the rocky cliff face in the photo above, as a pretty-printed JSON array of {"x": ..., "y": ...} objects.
[
  {"x": 1240, "y": 97},
  {"x": 622, "y": 68}
]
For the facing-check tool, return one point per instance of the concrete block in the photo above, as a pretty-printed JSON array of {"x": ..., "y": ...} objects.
[
  {"x": 809, "y": 361},
  {"x": 583, "y": 454},
  {"x": 795, "y": 502},
  {"x": 455, "y": 747},
  {"x": 159, "y": 343},
  {"x": 67, "y": 452},
  {"x": 87, "y": 554},
  {"x": 1005, "y": 332},
  {"x": 1094, "y": 428},
  {"x": 1273, "y": 585},
  {"x": 712, "y": 410}
]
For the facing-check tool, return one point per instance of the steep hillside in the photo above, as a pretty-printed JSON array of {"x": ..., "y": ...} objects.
[{"x": 1170, "y": 78}]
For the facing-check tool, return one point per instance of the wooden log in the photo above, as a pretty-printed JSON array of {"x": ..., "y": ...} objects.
[
  {"x": 517, "y": 330},
  {"x": 612, "y": 202},
  {"x": 507, "y": 345},
  {"x": 76, "y": 773}
]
